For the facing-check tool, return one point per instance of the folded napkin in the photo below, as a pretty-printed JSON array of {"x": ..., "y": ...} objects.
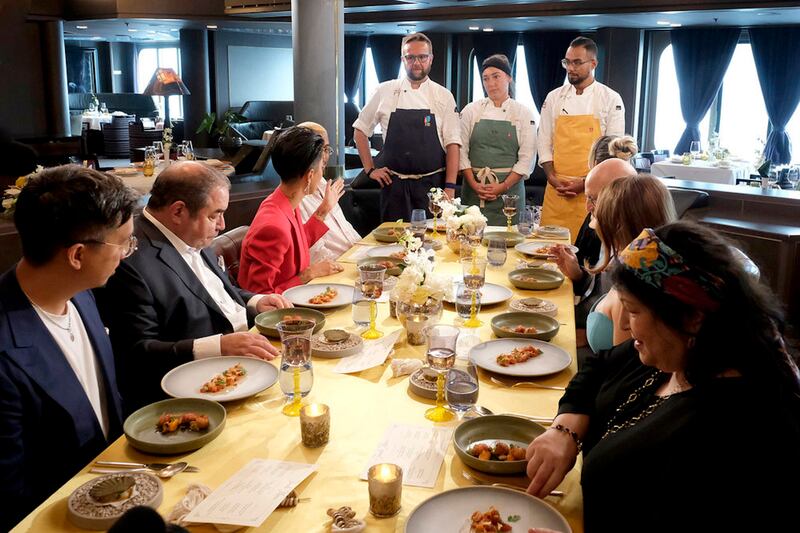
[{"x": 403, "y": 367}]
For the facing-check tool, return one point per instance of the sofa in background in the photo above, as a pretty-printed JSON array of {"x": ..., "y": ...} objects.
[{"x": 262, "y": 115}]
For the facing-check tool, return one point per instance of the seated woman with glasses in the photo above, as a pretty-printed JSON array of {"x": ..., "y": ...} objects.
[
  {"x": 694, "y": 423},
  {"x": 275, "y": 251}
]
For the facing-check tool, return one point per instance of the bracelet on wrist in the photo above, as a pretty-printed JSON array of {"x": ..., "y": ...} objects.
[
  {"x": 449, "y": 185},
  {"x": 575, "y": 438},
  {"x": 368, "y": 172}
]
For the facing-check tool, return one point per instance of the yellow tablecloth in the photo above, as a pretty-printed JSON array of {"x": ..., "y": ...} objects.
[{"x": 362, "y": 406}]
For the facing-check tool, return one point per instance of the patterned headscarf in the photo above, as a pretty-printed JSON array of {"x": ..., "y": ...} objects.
[{"x": 661, "y": 267}]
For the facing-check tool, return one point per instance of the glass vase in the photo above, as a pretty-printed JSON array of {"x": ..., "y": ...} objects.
[{"x": 416, "y": 317}]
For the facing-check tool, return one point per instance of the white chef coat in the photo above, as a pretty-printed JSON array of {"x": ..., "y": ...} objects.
[
  {"x": 511, "y": 111},
  {"x": 597, "y": 99},
  {"x": 398, "y": 94}
]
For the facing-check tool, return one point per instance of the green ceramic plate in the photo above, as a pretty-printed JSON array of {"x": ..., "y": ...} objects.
[
  {"x": 267, "y": 322},
  {"x": 546, "y": 327},
  {"x": 537, "y": 279},
  {"x": 140, "y": 427},
  {"x": 398, "y": 267},
  {"x": 490, "y": 429},
  {"x": 388, "y": 233},
  {"x": 512, "y": 238}
]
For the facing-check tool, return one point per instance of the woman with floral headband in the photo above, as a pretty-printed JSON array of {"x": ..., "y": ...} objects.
[{"x": 690, "y": 424}]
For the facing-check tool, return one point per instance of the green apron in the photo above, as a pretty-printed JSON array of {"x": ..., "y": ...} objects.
[{"x": 494, "y": 144}]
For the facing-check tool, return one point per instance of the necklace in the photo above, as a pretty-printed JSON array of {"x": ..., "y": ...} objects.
[
  {"x": 52, "y": 318},
  {"x": 614, "y": 423}
]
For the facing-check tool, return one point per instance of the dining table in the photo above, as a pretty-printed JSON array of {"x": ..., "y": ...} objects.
[
  {"x": 710, "y": 172},
  {"x": 362, "y": 406}
]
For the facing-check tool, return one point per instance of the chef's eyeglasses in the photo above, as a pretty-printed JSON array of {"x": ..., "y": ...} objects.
[
  {"x": 128, "y": 247},
  {"x": 566, "y": 63},
  {"x": 422, "y": 58}
]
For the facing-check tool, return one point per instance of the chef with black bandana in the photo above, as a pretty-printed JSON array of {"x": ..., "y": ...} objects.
[{"x": 420, "y": 130}]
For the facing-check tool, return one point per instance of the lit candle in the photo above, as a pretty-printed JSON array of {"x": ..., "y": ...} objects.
[
  {"x": 385, "y": 488},
  {"x": 315, "y": 424}
]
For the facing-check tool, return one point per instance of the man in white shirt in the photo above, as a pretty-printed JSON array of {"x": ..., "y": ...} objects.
[
  {"x": 341, "y": 235},
  {"x": 170, "y": 303},
  {"x": 573, "y": 117},
  {"x": 59, "y": 401},
  {"x": 421, "y": 134}
]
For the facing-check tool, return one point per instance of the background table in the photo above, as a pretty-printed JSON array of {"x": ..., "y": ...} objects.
[
  {"x": 701, "y": 171},
  {"x": 362, "y": 407},
  {"x": 95, "y": 119},
  {"x": 143, "y": 183}
]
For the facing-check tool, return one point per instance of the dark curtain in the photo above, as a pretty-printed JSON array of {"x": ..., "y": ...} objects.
[
  {"x": 777, "y": 73},
  {"x": 354, "y": 48},
  {"x": 386, "y": 55},
  {"x": 544, "y": 51},
  {"x": 701, "y": 57},
  {"x": 487, "y": 44}
]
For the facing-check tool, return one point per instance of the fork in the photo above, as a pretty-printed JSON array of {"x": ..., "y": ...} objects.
[
  {"x": 149, "y": 466},
  {"x": 525, "y": 384},
  {"x": 478, "y": 481}
]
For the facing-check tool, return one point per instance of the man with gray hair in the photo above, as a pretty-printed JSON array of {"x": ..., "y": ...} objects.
[{"x": 169, "y": 302}]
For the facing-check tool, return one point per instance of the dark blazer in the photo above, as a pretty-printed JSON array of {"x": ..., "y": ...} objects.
[
  {"x": 154, "y": 307},
  {"x": 48, "y": 429}
]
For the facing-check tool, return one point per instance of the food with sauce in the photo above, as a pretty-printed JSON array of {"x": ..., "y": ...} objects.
[
  {"x": 325, "y": 297},
  {"x": 228, "y": 378},
  {"x": 169, "y": 423},
  {"x": 500, "y": 452},
  {"x": 518, "y": 355},
  {"x": 525, "y": 330},
  {"x": 488, "y": 522}
]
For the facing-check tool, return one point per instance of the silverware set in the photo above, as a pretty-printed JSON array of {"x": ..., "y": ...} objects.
[
  {"x": 524, "y": 384},
  {"x": 162, "y": 470},
  {"x": 478, "y": 481}
]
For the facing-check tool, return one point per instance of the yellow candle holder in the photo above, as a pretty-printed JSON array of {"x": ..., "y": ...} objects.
[
  {"x": 315, "y": 425},
  {"x": 385, "y": 483}
]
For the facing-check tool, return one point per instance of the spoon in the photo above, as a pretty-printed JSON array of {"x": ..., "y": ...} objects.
[{"x": 164, "y": 473}]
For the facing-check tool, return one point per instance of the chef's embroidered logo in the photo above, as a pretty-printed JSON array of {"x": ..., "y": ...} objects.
[{"x": 619, "y": 108}]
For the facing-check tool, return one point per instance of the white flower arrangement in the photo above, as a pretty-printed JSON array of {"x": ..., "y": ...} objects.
[
  {"x": 418, "y": 282},
  {"x": 437, "y": 195},
  {"x": 167, "y": 136},
  {"x": 469, "y": 221}
]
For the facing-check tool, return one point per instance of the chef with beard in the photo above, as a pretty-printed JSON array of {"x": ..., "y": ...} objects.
[
  {"x": 573, "y": 117},
  {"x": 421, "y": 134}
]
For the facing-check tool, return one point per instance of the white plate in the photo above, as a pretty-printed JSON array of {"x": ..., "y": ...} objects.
[
  {"x": 491, "y": 294},
  {"x": 301, "y": 294},
  {"x": 552, "y": 232},
  {"x": 552, "y": 359},
  {"x": 186, "y": 380},
  {"x": 450, "y": 511},
  {"x": 384, "y": 251},
  {"x": 530, "y": 247}
]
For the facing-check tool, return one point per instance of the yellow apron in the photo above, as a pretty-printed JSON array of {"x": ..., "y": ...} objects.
[{"x": 572, "y": 141}]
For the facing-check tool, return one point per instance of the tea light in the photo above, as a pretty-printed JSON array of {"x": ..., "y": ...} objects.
[
  {"x": 385, "y": 488},
  {"x": 315, "y": 424}
]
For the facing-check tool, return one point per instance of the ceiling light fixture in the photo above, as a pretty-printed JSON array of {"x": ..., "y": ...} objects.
[
  {"x": 674, "y": 25},
  {"x": 663, "y": 23},
  {"x": 488, "y": 29},
  {"x": 211, "y": 26},
  {"x": 82, "y": 27},
  {"x": 474, "y": 28},
  {"x": 132, "y": 30}
]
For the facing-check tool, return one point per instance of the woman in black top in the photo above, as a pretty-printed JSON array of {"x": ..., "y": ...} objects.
[{"x": 693, "y": 424}]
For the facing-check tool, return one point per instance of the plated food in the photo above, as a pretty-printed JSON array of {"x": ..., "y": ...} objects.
[
  {"x": 541, "y": 249},
  {"x": 534, "y": 305},
  {"x": 519, "y": 328},
  {"x": 329, "y": 295},
  {"x": 396, "y": 251},
  {"x": 537, "y": 278},
  {"x": 553, "y": 232},
  {"x": 185, "y": 381},
  {"x": 389, "y": 233},
  {"x": 227, "y": 378},
  {"x": 267, "y": 322},
  {"x": 489, "y": 521},
  {"x": 495, "y": 433},
  {"x": 552, "y": 359},
  {"x": 333, "y": 344},
  {"x": 525, "y": 325},
  {"x": 177, "y": 425},
  {"x": 325, "y": 297},
  {"x": 512, "y": 238},
  {"x": 501, "y": 451},
  {"x": 393, "y": 265},
  {"x": 518, "y": 355}
]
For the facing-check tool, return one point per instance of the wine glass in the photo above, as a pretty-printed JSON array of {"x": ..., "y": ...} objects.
[
  {"x": 510, "y": 207},
  {"x": 150, "y": 161},
  {"x": 435, "y": 209},
  {"x": 296, "y": 375},
  {"x": 441, "y": 355},
  {"x": 188, "y": 150},
  {"x": 419, "y": 223},
  {"x": 372, "y": 288},
  {"x": 474, "y": 272},
  {"x": 159, "y": 148},
  {"x": 497, "y": 253},
  {"x": 694, "y": 149},
  {"x": 468, "y": 302},
  {"x": 103, "y": 108}
]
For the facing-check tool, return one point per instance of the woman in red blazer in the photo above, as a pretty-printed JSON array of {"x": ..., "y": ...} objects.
[{"x": 275, "y": 250}]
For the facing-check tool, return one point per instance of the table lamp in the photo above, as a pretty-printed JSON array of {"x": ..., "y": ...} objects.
[{"x": 165, "y": 82}]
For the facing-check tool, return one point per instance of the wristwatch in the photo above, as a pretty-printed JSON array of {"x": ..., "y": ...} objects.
[{"x": 368, "y": 172}]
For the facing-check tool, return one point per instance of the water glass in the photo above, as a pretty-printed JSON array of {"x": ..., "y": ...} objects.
[
  {"x": 464, "y": 300},
  {"x": 361, "y": 306},
  {"x": 296, "y": 374},
  {"x": 497, "y": 253},
  {"x": 525, "y": 225},
  {"x": 473, "y": 270},
  {"x": 158, "y": 146},
  {"x": 537, "y": 216},
  {"x": 419, "y": 223},
  {"x": 461, "y": 388},
  {"x": 103, "y": 107},
  {"x": 694, "y": 149},
  {"x": 188, "y": 150}
]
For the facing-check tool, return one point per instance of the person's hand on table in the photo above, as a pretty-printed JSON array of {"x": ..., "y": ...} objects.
[
  {"x": 247, "y": 344},
  {"x": 272, "y": 301},
  {"x": 550, "y": 456},
  {"x": 567, "y": 262},
  {"x": 382, "y": 176},
  {"x": 319, "y": 270}
]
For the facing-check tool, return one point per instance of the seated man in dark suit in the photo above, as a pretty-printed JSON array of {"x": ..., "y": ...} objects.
[
  {"x": 170, "y": 303},
  {"x": 59, "y": 402}
]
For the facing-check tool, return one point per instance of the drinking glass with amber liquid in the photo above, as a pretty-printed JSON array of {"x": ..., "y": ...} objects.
[
  {"x": 510, "y": 207},
  {"x": 372, "y": 288},
  {"x": 150, "y": 157}
]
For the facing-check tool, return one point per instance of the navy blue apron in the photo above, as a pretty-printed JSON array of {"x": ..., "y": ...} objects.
[{"x": 412, "y": 146}]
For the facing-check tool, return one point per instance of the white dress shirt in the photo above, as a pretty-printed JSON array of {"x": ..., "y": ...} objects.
[
  {"x": 510, "y": 111},
  {"x": 398, "y": 94},
  {"x": 340, "y": 236},
  {"x": 597, "y": 99},
  {"x": 235, "y": 313},
  {"x": 70, "y": 335}
]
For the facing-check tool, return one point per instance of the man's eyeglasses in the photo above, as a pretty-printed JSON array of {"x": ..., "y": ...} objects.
[
  {"x": 591, "y": 200},
  {"x": 127, "y": 248},
  {"x": 422, "y": 58},
  {"x": 328, "y": 149},
  {"x": 566, "y": 63}
]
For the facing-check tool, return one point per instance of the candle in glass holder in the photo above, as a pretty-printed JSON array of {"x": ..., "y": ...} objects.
[
  {"x": 315, "y": 424},
  {"x": 385, "y": 488}
]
